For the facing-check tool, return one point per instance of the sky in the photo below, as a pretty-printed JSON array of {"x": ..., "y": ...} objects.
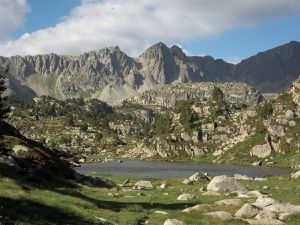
[{"x": 229, "y": 29}]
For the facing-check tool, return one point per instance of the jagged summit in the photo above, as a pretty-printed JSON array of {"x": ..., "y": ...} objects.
[{"x": 111, "y": 75}]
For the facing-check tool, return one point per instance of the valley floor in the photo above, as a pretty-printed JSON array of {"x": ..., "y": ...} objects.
[{"x": 60, "y": 202}]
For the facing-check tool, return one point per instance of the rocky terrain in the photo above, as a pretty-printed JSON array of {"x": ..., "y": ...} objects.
[
  {"x": 229, "y": 122},
  {"x": 168, "y": 95},
  {"x": 112, "y": 76}
]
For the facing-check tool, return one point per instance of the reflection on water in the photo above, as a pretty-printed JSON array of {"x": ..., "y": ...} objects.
[{"x": 155, "y": 169}]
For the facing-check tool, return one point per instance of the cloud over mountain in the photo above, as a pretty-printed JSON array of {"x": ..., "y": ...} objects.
[{"x": 136, "y": 24}]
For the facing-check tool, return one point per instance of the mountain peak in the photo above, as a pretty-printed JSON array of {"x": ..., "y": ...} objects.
[{"x": 178, "y": 52}]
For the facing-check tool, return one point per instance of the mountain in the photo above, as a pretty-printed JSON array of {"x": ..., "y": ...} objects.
[
  {"x": 272, "y": 70},
  {"x": 112, "y": 76}
]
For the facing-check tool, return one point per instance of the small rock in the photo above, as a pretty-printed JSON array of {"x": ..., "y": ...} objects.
[
  {"x": 198, "y": 176},
  {"x": 229, "y": 202},
  {"x": 142, "y": 184},
  {"x": 161, "y": 212},
  {"x": 222, "y": 215},
  {"x": 242, "y": 177},
  {"x": 195, "y": 208},
  {"x": 174, "y": 222},
  {"x": 163, "y": 186},
  {"x": 185, "y": 197},
  {"x": 187, "y": 182}
]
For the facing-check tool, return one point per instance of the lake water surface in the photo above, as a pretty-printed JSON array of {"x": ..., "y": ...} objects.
[{"x": 158, "y": 169}]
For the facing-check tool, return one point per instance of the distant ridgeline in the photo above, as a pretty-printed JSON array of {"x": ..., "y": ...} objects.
[{"x": 112, "y": 76}]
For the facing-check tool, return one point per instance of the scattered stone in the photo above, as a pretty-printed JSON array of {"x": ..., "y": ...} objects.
[
  {"x": 198, "y": 176},
  {"x": 263, "y": 201},
  {"x": 265, "y": 215},
  {"x": 283, "y": 208},
  {"x": 161, "y": 212},
  {"x": 187, "y": 182},
  {"x": 247, "y": 211},
  {"x": 222, "y": 215},
  {"x": 143, "y": 184},
  {"x": 163, "y": 186},
  {"x": 224, "y": 183},
  {"x": 174, "y": 222},
  {"x": 296, "y": 175},
  {"x": 195, "y": 208},
  {"x": 229, "y": 202},
  {"x": 19, "y": 149},
  {"x": 284, "y": 216},
  {"x": 185, "y": 197},
  {"x": 258, "y": 163},
  {"x": 242, "y": 177},
  {"x": 264, "y": 222}
]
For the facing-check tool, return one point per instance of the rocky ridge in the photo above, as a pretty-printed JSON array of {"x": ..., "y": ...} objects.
[{"x": 112, "y": 76}]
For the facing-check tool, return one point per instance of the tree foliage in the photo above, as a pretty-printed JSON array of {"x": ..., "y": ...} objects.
[
  {"x": 218, "y": 95},
  {"x": 4, "y": 108},
  {"x": 162, "y": 124}
]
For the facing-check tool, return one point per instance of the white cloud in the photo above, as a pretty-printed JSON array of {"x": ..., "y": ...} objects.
[
  {"x": 136, "y": 24},
  {"x": 12, "y": 15},
  {"x": 233, "y": 59}
]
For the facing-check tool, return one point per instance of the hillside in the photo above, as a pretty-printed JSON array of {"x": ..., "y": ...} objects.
[{"x": 112, "y": 76}]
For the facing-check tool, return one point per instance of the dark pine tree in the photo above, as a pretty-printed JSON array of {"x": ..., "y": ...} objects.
[{"x": 4, "y": 108}]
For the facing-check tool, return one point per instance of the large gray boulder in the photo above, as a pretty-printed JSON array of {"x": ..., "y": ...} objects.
[
  {"x": 224, "y": 183},
  {"x": 261, "y": 151},
  {"x": 247, "y": 211}
]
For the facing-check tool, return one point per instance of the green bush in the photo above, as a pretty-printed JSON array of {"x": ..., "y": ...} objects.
[
  {"x": 162, "y": 124},
  {"x": 265, "y": 110}
]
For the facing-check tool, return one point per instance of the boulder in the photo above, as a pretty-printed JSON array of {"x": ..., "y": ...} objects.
[
  {"x": 228, "y": 202},
  {"x": 199, "y": 176},
  {"x": 185, "y": 197},
  {"x": 19, "y": 149},
  {"x": 174, "y": 222},
  {"x": 247, "y": 211},
  {"x": 187, "y": 182},
  {"x": 263, "y": 201},
  {"x": 265, "y": 215},
  {"x": 283, "y": 208},
  {"x": 143, "y": 184},
  {"x": 222, "y": 215},
  {"x": 289, "y": 114},
  {"x": 185, "y": 136},
  {"x": 296, "y": 175},
  {"x": 224, "y": 183},
  {"x": 195, "y": 208},
  {"x": 261, "y": 151},
  {"x": 264, "y": 222}
]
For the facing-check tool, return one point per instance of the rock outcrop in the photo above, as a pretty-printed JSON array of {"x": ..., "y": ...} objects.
[{"x": 112, "y": 76}]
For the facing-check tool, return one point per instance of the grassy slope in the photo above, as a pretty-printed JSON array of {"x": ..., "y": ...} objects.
[{"x": 61, "y": 202}]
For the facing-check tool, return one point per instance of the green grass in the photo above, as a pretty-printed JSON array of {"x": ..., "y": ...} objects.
[{"x": 61, "y": 202}]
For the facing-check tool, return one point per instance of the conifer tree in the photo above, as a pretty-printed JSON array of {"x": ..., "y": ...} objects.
[{"x": 4, "y": 108}]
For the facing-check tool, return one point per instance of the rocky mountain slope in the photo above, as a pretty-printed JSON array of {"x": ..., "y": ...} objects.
[
  {"x": 168, "y": 95},
  {"x": 228, "y": 122},
  {"x": 110, "y": 75}
]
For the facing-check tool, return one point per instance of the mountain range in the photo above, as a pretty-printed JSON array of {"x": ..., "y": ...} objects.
[{"x": 111, "y": 75}]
